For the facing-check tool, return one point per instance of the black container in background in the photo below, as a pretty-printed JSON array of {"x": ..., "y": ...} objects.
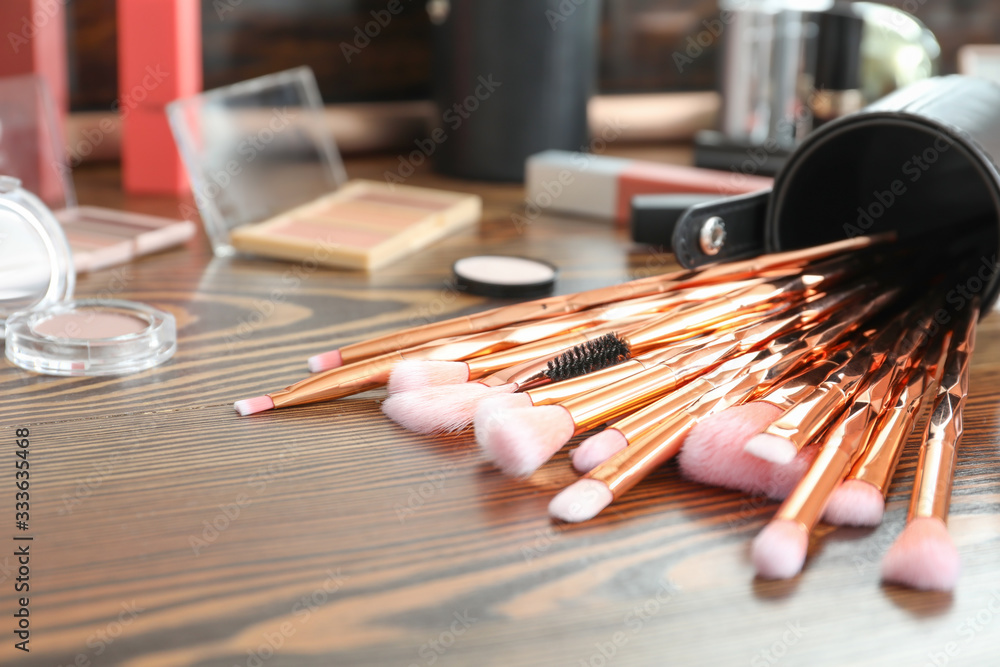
[{"x": 521, "y": 73}]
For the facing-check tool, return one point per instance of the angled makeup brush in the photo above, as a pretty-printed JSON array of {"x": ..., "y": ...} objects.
[
  {"x": 560, "y": 305},
  {"x": 924, "y": 555},
  {"x": 860, "y": 499}
]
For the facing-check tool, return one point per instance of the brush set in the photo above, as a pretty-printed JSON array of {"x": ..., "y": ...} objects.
[{"x": 797, "y": 375}]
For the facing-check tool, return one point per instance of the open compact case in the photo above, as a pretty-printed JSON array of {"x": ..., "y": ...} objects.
[{"x": 46, "y": 330}]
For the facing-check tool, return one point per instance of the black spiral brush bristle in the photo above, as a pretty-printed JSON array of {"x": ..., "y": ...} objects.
[{"x": 608, "y": 350}]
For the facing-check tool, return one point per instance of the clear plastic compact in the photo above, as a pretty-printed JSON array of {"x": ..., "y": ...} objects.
[{"x": 45, "y": 329}]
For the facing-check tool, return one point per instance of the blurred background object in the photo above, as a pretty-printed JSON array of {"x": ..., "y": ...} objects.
[{"x": 381, "y": 79}]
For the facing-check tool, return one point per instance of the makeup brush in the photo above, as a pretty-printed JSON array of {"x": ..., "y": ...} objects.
[
  {"x": 651, "y": 447},
  {"x": 780, "y": 549},
  {"x": 676, "y": 325},
  {"x": 924, "y": 555},
  {"x": 519, "y": 437},
  {"x": 798, "y": 425},
  {"x": 411, "y": 374},
  {"x": 449, "y": 408},
  {"x": 782, "y": 356},
  {"x": 860, "y": 499},
  {"x": 664, "y": 436},
  {"x": 560, "y": 305},
  {"x": 374, "y": 373}
]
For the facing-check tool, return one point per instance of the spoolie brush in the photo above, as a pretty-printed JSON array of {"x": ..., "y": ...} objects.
[
  {"x": 452, "y": 406},
  {"x": 594, "y": 355}
]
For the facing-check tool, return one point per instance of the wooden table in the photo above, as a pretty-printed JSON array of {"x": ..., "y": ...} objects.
[{"x": 170, "y": 532}]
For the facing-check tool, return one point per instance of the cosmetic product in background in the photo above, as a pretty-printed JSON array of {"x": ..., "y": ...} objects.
[
  {"x": 511, "y": 78},
  {"x": 159, "y": 60},
  {"x": 504, "y": 277},
  {"x": 791, "y": 65},
  {"x": 46, "y": 329},
  {"x": 32, "y": 150},
  {"x": 980, "y": 60},
  {"x": 268, "y": 180},
  {"x": 35, "y": 36},
  {"x": 602, "y": 186},
  {"x": 915, "y": 162}
]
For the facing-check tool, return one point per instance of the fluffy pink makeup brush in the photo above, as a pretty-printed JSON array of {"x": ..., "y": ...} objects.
[{"x": 713, "y": 453}]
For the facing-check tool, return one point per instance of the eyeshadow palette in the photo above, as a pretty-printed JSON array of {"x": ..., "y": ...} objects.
[
  {"x": 102, "y": 237},
  {"x": 363, "y": 225}
]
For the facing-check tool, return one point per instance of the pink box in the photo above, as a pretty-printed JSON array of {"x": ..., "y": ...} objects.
[
  {"x": 151, "y": 163},
  {"x": 159, "y": 60},
  {"x": 34, "y": 38}
]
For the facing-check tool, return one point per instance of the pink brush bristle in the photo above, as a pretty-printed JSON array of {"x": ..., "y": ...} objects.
[
  {"x": 713, "y": 453},
  {"x": 771, "y": 448},
  {"x": 413, "y": 374},
  {"x": 597, "y": 449},
  {"x": 855, "y": 503},
  {"x": 441, "y": 409},
  {"x": 325, "y": 361},
  {"x": 249, "y": 406},
  {"x": 779, "y": 550},
  {"x": 923, "y": 557},
  {"x": 519, "y": 440},
  {"x": 581, "y": 501}
]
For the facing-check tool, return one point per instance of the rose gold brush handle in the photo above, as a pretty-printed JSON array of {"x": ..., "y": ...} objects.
[
  {"x": 936, "y": 465},
  {"x": 634, "y": 392},
  {"x": 843, "y": 443},
  {"x": 558, "y": 305}
]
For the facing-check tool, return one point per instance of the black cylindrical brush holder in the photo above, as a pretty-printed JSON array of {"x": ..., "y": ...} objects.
[{"x": 920, "y": 162}]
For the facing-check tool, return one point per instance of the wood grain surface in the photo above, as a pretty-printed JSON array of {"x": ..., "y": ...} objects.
[{"x": 169, "y": 532}]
